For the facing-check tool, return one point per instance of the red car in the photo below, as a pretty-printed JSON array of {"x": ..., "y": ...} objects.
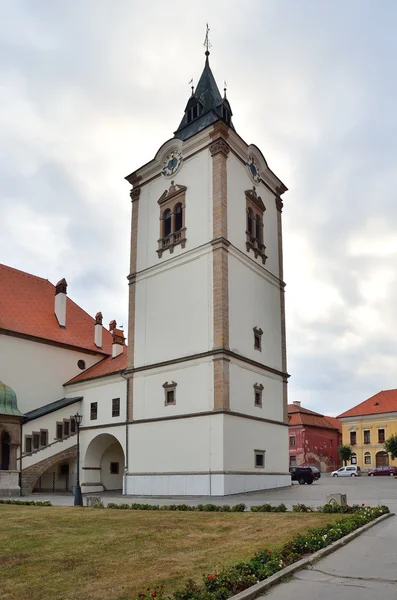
[{"x": 386, "y": 471}]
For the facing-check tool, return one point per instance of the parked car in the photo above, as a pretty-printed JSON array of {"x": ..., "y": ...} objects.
[
  {"x": 352, "y": 471},
  {"x": 302, "y": 475},
  {"x": 385, "y": 471},
  {"x": 316, "y": 472}
]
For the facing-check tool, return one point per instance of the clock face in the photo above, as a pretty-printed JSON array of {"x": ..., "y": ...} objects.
[
  {"x": 253, "y": 169},
  {"x": 172, "y": 163}
]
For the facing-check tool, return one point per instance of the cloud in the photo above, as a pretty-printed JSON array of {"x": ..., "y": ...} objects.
[{"x": 88, "y": 93}]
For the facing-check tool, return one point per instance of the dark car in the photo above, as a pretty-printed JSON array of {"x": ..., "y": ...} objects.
[
  {"x": 302, "y": 475},
  {"x": 385, "y": 471},
  {"x": 316, "y": 472}
]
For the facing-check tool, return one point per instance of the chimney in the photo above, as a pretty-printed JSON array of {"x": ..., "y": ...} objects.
[
  {"x": 98, "y": 330},
  {"x": 118, "y": 342},
  {"x": 60, "y": 302},
  {"x": 296, "y": 402},
  {"x": 112, "y": 325}
]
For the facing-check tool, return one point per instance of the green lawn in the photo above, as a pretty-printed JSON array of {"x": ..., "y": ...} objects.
[{"x": 78, "y": 553}]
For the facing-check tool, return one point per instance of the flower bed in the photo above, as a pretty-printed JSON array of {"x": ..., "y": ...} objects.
[
  {"x": 27, "y": 502},
  {"x": 234, "y": 579}
]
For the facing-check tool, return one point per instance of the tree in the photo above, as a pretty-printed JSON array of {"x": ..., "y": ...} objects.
[
  {"x": 391, "y": 446},
  {"x": 345, "y": 453}
]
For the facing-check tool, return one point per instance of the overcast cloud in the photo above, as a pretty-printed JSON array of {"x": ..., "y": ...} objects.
[{"x": 89, "y": 90}]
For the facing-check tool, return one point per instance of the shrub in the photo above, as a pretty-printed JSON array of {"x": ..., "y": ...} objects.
[
  {"x": 27, "y": 502},
  {"x": 303, "y": 508},
  {"x": 238, "y": 508},
  {"x": 269, "y": 508}
]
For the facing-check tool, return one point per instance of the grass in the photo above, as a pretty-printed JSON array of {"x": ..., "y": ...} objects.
[{"x": 72, "y": 553}]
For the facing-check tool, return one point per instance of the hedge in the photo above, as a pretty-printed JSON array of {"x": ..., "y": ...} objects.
[{"x": 27, "y": 502}]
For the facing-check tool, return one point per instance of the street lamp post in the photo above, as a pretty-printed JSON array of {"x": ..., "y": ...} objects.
[{"x": 78, "y": 498}]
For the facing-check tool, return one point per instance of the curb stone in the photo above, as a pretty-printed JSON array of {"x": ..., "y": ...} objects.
[{"x": 263, "y": 586}]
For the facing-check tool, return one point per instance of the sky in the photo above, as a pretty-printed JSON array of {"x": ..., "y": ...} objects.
[{"x": 90, "y": 89}]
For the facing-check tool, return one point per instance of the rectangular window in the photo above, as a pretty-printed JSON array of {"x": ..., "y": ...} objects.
[
  {"x": 116, "y": 407},
  {"x": 259, "y": 459},
  {"x": 36, "y": 441},
  {"x": 353, "y": 438},
  {"x": 292, "y": 441},
  {"x": 381, "y": 436},
  {"x": 292, "y": 461},
  {"x": 43, "y": 437},
  {"x": 66, "y": 427},
  {"x": 72, "y": 426},
  {"x": 28, "y": 445},
  {"x": 367, "y": 458},
  {"x": 258, "y": 399},
  {"x": 367, "y": 436},
  {"x": 330, "y": 443},
  {"x": 258, "y": 389},
  {"x": 59, "y": 431},
  {"x": 114, "y": 468},
  {"x": 94, "y": 411}
]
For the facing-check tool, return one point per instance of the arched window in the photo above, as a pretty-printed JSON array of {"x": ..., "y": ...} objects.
[
  {"x": 353, "y": 459},
  {"x": 367, "y": 458},
  {"x": 167, "y": 222},
  {"x": 178, "y": 217},
  {"x": 250, "y": 217},
  {"x": 258, "y": 232}
]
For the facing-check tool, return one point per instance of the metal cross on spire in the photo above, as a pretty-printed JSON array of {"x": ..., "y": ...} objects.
[{"x": 207, "y": 43}]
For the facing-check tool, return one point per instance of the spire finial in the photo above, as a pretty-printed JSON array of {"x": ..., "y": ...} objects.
[
  {"x": 224, "y": 88},
  {"x": 207, "y": 43},
  {"x": 192, "y": 85}
]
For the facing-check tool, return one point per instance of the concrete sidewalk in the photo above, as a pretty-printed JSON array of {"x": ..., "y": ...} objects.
[{"x": 364, "y": 569}]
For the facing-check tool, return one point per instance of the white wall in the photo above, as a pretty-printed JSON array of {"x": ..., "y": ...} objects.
[
  {"x": 37, "y": 372},
  {"x": 194, "y": 390},
  {"x": 112, "y": 481},
  {"x": 93, "y": 445},
  {"x": 196, "y": 174},
  {"x": 173, "y": 310},
  {"x": 238, "y": 181},
  {"x": 181, "y": 445},
  {"x": 49, "y": 422},
  {"x": 243, "y": 436},
  {"x": 243, "y": 377},
  {"x": 102, "y": 391},
  {"x": 254, "y": 301}
]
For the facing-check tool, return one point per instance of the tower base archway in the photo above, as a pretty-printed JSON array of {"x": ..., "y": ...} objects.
[{"x": 103, "y": 465}]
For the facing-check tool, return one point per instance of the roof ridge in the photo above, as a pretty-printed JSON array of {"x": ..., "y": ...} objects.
[{"x": 26, "y": 273}]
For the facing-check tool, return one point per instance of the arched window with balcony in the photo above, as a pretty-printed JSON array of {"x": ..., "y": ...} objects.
[
  {"x": 178, "y": 217},
  {"x": 166, "y": 222}
]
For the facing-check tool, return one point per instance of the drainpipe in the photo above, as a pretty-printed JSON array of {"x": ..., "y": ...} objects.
[
  {"x": 127, "y": 396},
  {"x": 20, "y": 456}
]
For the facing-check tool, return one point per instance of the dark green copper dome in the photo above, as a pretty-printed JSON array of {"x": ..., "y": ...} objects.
[{"x": 8, "y": 401}]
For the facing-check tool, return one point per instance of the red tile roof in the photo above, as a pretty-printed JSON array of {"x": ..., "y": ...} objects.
[
  {"x": 27, "y": 308},
  {"x": 297, "y": 415},
  {"x": 107, "y": 366},
  {"x": 335, "y": 422},
  {"x": 382, "y": 402}
]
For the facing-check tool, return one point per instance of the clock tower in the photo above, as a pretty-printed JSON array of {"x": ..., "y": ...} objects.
[{"x": 207, "y": 373}]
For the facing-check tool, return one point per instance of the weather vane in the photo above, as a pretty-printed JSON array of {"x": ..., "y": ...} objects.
[{"x": 207, "y": 43}]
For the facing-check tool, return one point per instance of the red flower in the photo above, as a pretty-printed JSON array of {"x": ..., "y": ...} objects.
[
  {"x": 154, "y": 595},
  {"x": 210, "y": 577},
  {"x": 363, "y": 505}
]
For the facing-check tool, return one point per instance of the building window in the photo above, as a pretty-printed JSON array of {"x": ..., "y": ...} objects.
[
  {"x": 367, "y": 458},
  {"x": 258, "y": 339},
  {"x": 94, "y": 411},
  {"x": 169, "y": 393},
  {"x": 259, "y": 459},
  {"x": 28, "y": 444},
  {"x": 36, "y": 441},
  {"x": 64, "y": 469},
  {"x": 66, "y": 428},
  {"x": 43, "y": 437},
  {"x": 381, "y": 436},
  {"x": 353, "y": 438},
  {"x": 292, "y": 441},
  {"x": 72, "y": 425},
  {"x": 367, "y": 436},
  {"x": 114, "y": 468},
  {"x": 331, "y": 443},
  {"x": 81, "y": 364},
  {"x": 353, "y": 459},
  {"x": 172, "y": 219},
  {"x": 258, "y": 389},
  {"x": 254, "y": 229},
  {"x": 292, "y": 461},
  {"x": 116, "y": 407},
  {"x": 59, "y": 431}
]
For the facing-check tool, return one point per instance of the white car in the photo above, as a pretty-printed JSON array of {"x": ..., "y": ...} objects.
[{"x": 352, "y": 471}]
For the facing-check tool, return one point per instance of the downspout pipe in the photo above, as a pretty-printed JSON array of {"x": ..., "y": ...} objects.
[{"x": 127, "y": 396}]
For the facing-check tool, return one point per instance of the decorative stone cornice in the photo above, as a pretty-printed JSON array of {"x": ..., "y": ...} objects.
[
  {"x": 135, "y": 193},
  {"x": 173, "y": 191},
  {"x": 279, "y": 204},
  {"x": 220, "y": 242},
  {"x": 219, "y": 146},
  {"x": 257, "y": 200}
]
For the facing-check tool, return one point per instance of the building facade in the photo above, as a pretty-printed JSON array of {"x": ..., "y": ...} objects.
[
  {"x": 366, "y": 426},
  {"x": 207, "y": 365},
  {"x": 314, "y": 439}
]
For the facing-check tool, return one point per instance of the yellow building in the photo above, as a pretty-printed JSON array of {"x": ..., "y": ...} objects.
[{"x": 366, "y": 427}]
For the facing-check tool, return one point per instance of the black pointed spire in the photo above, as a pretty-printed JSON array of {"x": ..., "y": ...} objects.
[{"x": 205, "y": 105}]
